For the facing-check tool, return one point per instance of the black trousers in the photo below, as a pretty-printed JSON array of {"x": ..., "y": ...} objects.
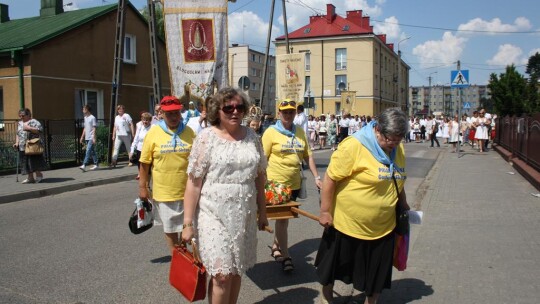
[{"x": 434, "y": 138}]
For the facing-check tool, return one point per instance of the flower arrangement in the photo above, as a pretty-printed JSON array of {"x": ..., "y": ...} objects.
[{"x": 276, "y": 193}]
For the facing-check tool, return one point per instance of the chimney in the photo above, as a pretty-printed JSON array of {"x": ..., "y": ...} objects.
[
  {"x": 51, "y": 7},
  {"x": 4, "y": 13},
  {"x": 330, "y": 13}
]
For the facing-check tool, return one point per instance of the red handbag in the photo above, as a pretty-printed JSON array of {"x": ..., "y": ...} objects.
[{"x": 187, "y": 273}]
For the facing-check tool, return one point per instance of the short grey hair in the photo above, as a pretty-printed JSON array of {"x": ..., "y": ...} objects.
[{"x": 393, "y": 122}]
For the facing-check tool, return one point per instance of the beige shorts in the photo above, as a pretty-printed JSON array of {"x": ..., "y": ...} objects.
[{"x": 171, "y": 215}]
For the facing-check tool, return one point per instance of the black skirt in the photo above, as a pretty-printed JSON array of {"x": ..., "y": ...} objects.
[{"x": 367, "y": 264}]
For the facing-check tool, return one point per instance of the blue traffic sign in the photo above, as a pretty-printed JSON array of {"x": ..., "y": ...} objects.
[
  {"x": 459, "y": 79},
  {"x": 466, "y": 105}
]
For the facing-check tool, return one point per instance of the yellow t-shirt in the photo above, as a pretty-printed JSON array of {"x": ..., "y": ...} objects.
[
  {"x": 283, "y": 162},
  {"x": 365, "y": 197},
  {"x": 169, "y": 165}
]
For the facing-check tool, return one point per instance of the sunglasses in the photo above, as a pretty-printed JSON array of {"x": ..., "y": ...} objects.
[
  {"x": 287, "y": 103},
  {"x": 240, "y": 108}
]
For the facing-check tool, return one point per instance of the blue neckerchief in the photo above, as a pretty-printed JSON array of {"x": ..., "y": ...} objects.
[
  {"x": 281, "y": 129},
  {"x": 174, "y": 135},
  {"x": 366, "y": 136}
]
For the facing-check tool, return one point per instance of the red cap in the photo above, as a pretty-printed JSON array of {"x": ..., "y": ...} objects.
[{"x": 170, "y": 103}]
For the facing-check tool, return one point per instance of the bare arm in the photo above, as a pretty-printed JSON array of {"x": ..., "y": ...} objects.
[
  {"x": 313, "y": 169},
  {"x": 191, "y": 199},
  {"x": 327, "y": 197},
  {"x": 143, "y": 181}
]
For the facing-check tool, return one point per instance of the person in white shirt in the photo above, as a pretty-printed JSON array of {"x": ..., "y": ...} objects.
[
  {"x": 136, "y": 147},
  {"x": 157, "y": 115},
  {"x": 122, "y": 132},
  {"x": 301, "y": 119},
  {"x": 197, "y": 122},
  {"x": 343, "y": 127},
  {"x": 89, "y": 136}
]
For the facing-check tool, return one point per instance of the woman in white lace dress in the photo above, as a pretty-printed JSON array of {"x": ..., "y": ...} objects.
[{"x": 225, "y": 190}]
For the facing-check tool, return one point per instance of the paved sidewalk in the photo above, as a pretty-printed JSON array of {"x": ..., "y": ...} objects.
[
  {"x": 62, "y": 180},
  {"x": 479, "y": 241}
]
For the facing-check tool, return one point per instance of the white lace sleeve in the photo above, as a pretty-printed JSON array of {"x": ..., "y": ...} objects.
[{"x": 199, "y": 157}]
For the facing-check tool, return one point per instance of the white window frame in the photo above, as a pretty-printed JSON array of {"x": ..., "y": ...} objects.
[
  {"x": 341, "y": 59},
  {"x": 307, "y": 61},
  {"x": 339, "y": 79},
  {"x": 130, "y": 49},
  {"x": 82, "y": 99}
]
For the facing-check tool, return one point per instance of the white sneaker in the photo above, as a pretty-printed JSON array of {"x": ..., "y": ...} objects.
[
  {"x": 83, "y": 168},
  {"x": 94, "y": 167}
]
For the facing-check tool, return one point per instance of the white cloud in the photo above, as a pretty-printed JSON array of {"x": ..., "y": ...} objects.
[
  {"x": 506, "y": 55},
  {"x": 534, "y": 51},
  {"x": 248, "y": 28},
  {"x": 390, "y": 27},
  {"x": 495, "y": 25},
  {"x": 436, "y": 52}
]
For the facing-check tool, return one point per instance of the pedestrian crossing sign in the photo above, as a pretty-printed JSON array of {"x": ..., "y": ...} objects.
[
  {"x": 466, "y": 105},
  {"x": 459, "y": 79}
]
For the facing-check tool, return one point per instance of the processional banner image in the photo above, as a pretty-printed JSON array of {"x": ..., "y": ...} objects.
[
  {"x": 290, "y": 77},
  {"x": 197, "y": 45}
]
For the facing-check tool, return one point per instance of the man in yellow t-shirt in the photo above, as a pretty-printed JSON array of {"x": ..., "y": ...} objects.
[{"x": 166, "y": 149}]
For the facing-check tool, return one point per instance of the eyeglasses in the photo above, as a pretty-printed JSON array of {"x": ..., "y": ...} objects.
[
  {"x": 240, "y": 108},
  {"x": 392, "y": 141},
  {"x": 287, "y": 103}
]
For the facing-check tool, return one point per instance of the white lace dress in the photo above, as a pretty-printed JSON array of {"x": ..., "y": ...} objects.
[{"x": 226, "y": 216}]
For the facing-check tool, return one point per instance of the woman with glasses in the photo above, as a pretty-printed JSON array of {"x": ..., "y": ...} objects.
[
  {"x": 358, "y": 205},
  {"x": 165, "y": 151},
  {"x": 224, "y": 193},
  {"x": 29, "y": 128},
  {"x": 286, "y": 146}
]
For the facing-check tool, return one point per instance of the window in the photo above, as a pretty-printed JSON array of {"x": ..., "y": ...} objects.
[
  {"x": 93, "y": 98},
  {"x": 253, "y": 57},
  {"x": 253, "y": 72},
  {"x": 341, "y": 59},
  {"x": 130, "y": 47},
  {"x": 308, "y": 83},
  {"x": 272, "y": 75},
  {"x": 307, "y": 61},
  {"x": 341, "y": 84}
]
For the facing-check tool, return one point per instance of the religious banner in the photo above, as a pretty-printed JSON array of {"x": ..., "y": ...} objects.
[
  {"x": 197, "y": 46},
  {"x": 290, "y": 77}
]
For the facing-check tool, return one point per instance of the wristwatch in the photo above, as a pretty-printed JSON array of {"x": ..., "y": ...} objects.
[{"x": 318, "y": 177}]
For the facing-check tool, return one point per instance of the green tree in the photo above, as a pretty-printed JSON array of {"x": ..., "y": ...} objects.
[
  {"x": 160, "y": 24},
  {"x": 508, "y": 91},
  {"x": 533, "y": 95}
]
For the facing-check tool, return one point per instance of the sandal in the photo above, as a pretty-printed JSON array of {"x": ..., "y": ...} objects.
[
  {"x": 276, "y": 254},
  {"x": 287, "y": 264}
]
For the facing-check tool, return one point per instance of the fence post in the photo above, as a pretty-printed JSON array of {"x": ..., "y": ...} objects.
[{"x": 48, "y": 137}]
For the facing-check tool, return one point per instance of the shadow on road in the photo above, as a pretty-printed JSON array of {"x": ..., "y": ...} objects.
[
  {"x": 298, "y": 296},
  {"x": 269, "y": 275},
  {"x": 161, "y": 260},
  {"x": 405, "y": 291},
  {"x": 52, "y": 180}
]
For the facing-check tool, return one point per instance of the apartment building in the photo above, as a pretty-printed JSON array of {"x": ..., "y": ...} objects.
[{"x": 444, "y": 99}]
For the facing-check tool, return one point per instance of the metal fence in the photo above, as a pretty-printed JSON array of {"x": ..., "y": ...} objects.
[
  {"x": 521, "y": 136},
  {"x": 62, "y": 146}
]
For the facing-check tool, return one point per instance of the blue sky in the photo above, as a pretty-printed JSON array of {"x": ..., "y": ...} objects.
[{"x": 492, "y": 33}]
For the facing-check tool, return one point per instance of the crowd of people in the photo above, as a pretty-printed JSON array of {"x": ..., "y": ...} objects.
[
  {"x": 477, "y": 130},
  {"x": 205, "y": 167}
]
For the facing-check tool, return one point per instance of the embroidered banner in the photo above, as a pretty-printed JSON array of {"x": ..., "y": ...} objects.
[
  {"x": 197, "y": 46},
  {"x": 290, "y": 77}
]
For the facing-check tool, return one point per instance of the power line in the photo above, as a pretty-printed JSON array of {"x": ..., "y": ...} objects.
[{"x": 456, "y": 30}]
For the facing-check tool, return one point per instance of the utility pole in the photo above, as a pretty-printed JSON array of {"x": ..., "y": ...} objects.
[
  {"x": 117, "y": 70},
  {"x": 459, "y": 101},
  {"x": 156, "y": 77},
  {"x": 263, "y": 84}
]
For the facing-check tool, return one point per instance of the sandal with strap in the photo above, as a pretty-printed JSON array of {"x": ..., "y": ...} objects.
[
  {"x": 276, "y": 254},
  {"x": 287, "y": 265}
]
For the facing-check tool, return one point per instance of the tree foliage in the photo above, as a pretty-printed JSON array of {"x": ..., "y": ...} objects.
[
  {"x": 533, "y": 95},
  {"x": 160, "y": 24},
  {"x": 508, "y": 91}
]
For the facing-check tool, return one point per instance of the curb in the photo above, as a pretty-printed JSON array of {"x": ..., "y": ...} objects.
[
  {"x": 9, "y": 198},
  {"x": 528, "y": 172}
]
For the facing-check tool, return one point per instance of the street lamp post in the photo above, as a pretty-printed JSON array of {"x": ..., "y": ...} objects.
[
  {"x": 429, "y": 101},
  {"x": 399, "y": 75}
]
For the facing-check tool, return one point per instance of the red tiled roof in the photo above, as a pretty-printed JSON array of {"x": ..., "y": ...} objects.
[{"x": 331, "y": 25}]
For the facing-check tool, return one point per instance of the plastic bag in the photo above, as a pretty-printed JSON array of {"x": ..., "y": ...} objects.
[
  {"x": 142, "y": 217},
  {"x": 401, "y": 251}
]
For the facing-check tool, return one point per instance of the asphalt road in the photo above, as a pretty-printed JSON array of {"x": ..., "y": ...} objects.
[{"x": 76, "y": 248}]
